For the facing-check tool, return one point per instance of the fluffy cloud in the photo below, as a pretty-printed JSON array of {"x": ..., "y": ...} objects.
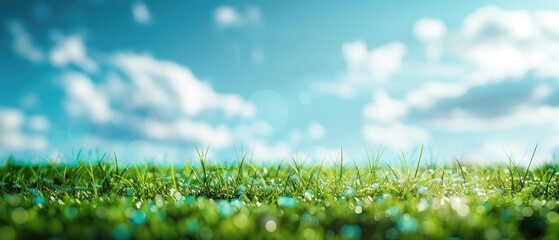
[
  {"x": 395, "y": 135},
  {"x": 522, "y": 116},
  {"x": 384, "y": 109},
  {"x": 146, "y": 97},
  {"x": 160, "y": 84},
  {"x": 265, "y": 152},
  {"x": 228, "y": 16},
  {"x": 140, "y": 12},
  {"x": 431, "y": 32},
  {"x": 23, "y": 44},
  {"x": 500, "y": 46},
  {"x": 365, "y": 69},
  {"x": 170, "y": 97},
  {"x": 85, "y": 99},
  {"x": 19, "y": 132},
  {"x": 71, "y": 50},
  {"x": 501, "y": 43},
  {"x": 384, "y": 124},
  {"x": 185, "y": 129},
  {"x": 429, "y": 93}
]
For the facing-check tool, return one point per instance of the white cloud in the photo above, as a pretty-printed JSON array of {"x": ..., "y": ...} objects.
[
  {"x": 365, "y": 69},
  {"x": 160, "y": 84},
  {"x": 498, "y": 151},
  {"x": 395, "y": 135},
  {"x": 322, "y": 154},
  {"x": 384, "y": 109},
  {"x": 11, "y": 118},
  {"x": 541, "y": 92},
  {"x": 264, "y": 152},
  {"x": 431, "y": 32},
  {"x": 134, "y": 151},
  {"x": 71, "y": 50},
  {"x": 141, "y": 13},
  {"x": 522, "y": 116},
  {"x": 85, "y": 99},
  {"x": 379, "y": 63},
  {"x": 430, "y": 92},
  {"x": 228, "y": 16},
  {"x": 316, "y": 131},
  {"x": 160, "y": 101},
  {"x": 13, "y": 136},
  {"x": 428, "y": 29},
  {"x": 502, "y": 43},
  {"x": 186, "y": 130},
  {"x": 248, "y": 130},
  {"x": 39, "y": 123},
  {"x": 23, "y": 44}
]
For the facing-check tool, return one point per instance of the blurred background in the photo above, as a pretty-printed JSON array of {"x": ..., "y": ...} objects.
[{"x": 279, "y": 79}]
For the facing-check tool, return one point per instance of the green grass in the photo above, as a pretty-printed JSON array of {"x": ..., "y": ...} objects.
[{"x": 101, "y": 199}]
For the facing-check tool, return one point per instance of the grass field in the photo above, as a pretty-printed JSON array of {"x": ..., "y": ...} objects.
[{"x": 102, "y": 199}]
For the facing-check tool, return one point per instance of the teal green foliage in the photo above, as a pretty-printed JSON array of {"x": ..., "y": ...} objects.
[{"x": 104, "y": 200}]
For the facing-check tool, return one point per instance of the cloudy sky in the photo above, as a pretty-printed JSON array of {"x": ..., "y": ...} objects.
[{"x": 151, "y": 79}]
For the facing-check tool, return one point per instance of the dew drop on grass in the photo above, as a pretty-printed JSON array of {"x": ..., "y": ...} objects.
[
  {"x": 407, "y": 224},
  {"x": 189, "y": 200},
  {"x": 237, "y": 203},
  {"x": 241, "y": 190},
  {"x": 358, "y": 210},
  {"x": 349, "y": 192},
  {"x": 39, "y": 200},
  {"x": 270, "y": 225},
  {"x": 138, "y": 217},
  {"x": 308, "y": 195},
  {"x": 35, "y": 192},
  {"x": 350, "y": 231},
  {"x": 392, "y": 211},
  {"x": 287, "y": 201},
  {"x": 422, "y": 190},
  {"x": 225, "y": 208},
  {"x": 159, "y": 201}
]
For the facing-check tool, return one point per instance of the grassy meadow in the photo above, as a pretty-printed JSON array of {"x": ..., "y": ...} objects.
[{"x": 102, "y": 199}]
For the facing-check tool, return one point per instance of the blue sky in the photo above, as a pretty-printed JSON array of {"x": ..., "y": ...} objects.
[{"x": 475, "y": 80}]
